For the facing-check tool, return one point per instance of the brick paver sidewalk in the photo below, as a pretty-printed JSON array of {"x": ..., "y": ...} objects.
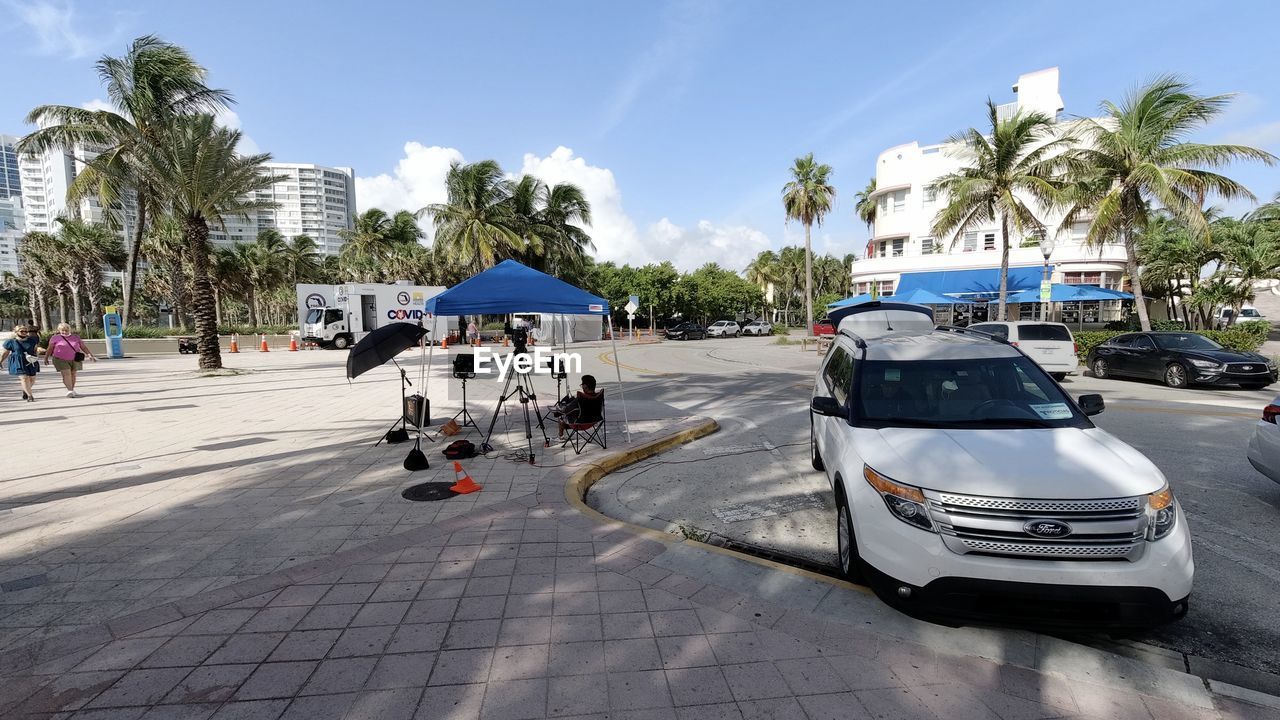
[{"x": 525, "y": 608}]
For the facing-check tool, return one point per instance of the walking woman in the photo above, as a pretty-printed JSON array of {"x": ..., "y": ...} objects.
[
  {"x": 68, "y": 352},
  {"x": 22, "y": 351}
]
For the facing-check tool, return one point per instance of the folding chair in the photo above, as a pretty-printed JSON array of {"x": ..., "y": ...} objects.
[{"x": 585, "y": 424}]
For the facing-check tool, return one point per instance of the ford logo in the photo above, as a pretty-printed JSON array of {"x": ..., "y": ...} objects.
[{"x": 1047, "y": 528}]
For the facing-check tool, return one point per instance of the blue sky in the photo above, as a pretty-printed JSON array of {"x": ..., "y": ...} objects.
[{"x": 680, "y": 119}]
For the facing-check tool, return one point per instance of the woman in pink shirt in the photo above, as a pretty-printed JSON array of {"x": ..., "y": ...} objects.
[{"x": 67, "y": 351}]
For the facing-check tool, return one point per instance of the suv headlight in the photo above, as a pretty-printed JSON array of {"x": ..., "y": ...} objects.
[
  {"x": 1206, "y": 364},
  {"x": 904, "y": 502},
  {"x": 1162, "y": 513}
]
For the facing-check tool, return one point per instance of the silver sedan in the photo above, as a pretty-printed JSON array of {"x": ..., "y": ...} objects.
[{"x": 1264, "y": 446}]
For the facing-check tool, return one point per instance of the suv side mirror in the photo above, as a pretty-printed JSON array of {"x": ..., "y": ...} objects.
[
  {"x": 1092, "y": 404},
  {"x": 826, "y": 406}
]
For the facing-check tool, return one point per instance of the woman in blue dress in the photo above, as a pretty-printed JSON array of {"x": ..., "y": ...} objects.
[{"x": 22, "y": 352}]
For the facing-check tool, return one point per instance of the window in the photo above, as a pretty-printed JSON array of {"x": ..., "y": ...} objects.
[
  {"x": 862, "y": 288},
  {"x": 900, "y": 201},
  {"x": 1083, "y": 278},
  {"x": 927, "y": 246},
  {"x": 930, "y": 195},
  {"x": 839, "y": 374},
  {"x": 1044, "y": 332},
  {"x": 1000, "y": 331},
  {"x": 970, "y": 241},
  {"x": 885, "y": 287},
  {"x": 1142, "y": 342},
  {"x": 898, "y": 247},
  {"x": 989, "y": 241}
]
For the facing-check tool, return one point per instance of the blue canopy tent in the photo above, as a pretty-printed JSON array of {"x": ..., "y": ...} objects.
[
  {"x": 855, "y": 300},
  {"x": 510, "y": 287},
  {"x": 919, "y": 296}
]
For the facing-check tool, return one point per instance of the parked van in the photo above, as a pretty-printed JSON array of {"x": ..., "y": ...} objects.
[
  {"x": 1051, "y": 345},
  {"x": 968, "y": 485}
]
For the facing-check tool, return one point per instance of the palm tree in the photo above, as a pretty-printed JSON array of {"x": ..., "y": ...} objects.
[
  {"x": 200, "y": 177},
  {"x": 153, "y": 84},
  {"x": 545, "y": 218},
  {"x": 1019, "y": 158},
  {"x": 807, "y": 198},
  {"x": 226, "y": 278},
  {"x": 866, "y": 204},
  {"x": 476, "y": 226},
  {"x": 763, "y": 272},
  {"x": 85, "y": 248},
  {"x": 36, "y": 249},
  {"x": 301, "y": 260},
  {"x": 1138, "y": 154}
]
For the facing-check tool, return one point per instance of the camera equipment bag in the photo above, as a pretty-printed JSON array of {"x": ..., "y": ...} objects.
[{"x": 459, "y": 450}]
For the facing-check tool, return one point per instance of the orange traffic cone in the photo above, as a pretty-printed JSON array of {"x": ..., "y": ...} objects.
[
  {"x": 506, "y": 341},
  {"x": 293, "y": 343},
  {"x": 264, "y": 347},
  {"x": 444, "y": 343},
  {"x": 464, "y": 485},
  {"x": 235, "y": 343}
]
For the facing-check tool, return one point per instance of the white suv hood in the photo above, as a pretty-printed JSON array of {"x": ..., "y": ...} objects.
[{"x": 1060, "y": 463}]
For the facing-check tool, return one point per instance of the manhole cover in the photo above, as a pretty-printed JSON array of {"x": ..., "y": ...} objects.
[{"x": 429, "y": 491}]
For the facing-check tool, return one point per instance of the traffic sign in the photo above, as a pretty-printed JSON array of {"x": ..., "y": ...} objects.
[
  {"x": 633, "y": 304},
  {"x": 1046, "y": 290}
]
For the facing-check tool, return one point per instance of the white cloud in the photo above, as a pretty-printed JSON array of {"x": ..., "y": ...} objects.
[
  {"x": 53, "y": 26},
  {"x": 228, "y": 118},
  {"x": 98, "y": 104},
  {"x": 419, "y": 176},
  {"x": 1265, "y": 136},
  {"x": 417, "y": 181}
]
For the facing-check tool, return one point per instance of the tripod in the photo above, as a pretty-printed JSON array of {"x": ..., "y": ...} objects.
[
  {"x": 524, "y": 389},
  {"x": 463, "y": 413},
  {"x": 403, "y": 434}
]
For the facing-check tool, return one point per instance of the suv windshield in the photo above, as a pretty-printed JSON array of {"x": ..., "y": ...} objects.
[
  {"x": 1186, "y": 341},
  {"x": 964, "y": 393}
]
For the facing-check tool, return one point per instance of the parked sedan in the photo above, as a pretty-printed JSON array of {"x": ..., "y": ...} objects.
[
  {"x": 687, "y": 331},
  {"x": 824, "y": 327},
  {"x": 1264, "y": 446},
  {"x": 757, "y": 327},
  {"x": 1179, "y": 359}
]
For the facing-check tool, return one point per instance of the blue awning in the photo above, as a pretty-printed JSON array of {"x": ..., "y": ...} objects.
[
  {"x": 972, "y": 284},
  {"x": 1060, "y": 292}
]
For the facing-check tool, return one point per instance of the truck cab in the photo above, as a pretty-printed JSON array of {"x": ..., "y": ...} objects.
[{"x": 327, "y": 326}]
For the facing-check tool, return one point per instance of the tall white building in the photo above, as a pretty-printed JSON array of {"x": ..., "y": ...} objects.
[
  {"x": 312, "y": 199},
  {"x": 12, "y": 223},
  {"x": 10, "y": 176},
  {"x": 903, "y": 254},
  {"x": 44, "y": 179}
]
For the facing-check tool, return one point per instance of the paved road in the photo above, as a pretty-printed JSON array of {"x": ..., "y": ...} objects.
[{"x": 752, "y": 482}]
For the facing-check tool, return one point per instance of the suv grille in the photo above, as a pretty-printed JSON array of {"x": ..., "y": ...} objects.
[{"x": 1108, "y": 529}]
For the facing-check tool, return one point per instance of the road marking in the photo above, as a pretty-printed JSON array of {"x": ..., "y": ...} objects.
[
  {"x": 604, "y": 358},
  {"x": 1177, "y": 411}
]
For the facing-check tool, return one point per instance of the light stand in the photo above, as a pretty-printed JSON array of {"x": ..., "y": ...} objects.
[
  {"x": 1046, "y": 249},
  {"x": 527, "y": 396},
  {"x": 403, "y": 434},
  {"x": 464, "y": 369}
]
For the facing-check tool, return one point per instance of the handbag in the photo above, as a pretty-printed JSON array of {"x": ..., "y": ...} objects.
[{"x": 79, "y": 357}]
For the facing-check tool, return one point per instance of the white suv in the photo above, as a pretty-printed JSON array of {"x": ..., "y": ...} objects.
[
  {"x": 1051, "y": 345},
  {"x": 968, "y": 485},
  {"x": 723, "y": 328}
]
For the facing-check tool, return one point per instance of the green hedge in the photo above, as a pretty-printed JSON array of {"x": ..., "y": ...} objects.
[
  {"x": 147, "y": 331},
  {"x": 1245, "y": 337}
]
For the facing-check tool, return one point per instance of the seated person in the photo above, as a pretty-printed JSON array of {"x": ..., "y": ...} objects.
[{"x": 569, "y": 410}]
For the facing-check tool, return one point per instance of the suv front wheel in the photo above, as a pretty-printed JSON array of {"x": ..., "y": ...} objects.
[{"x": 846, "y": 544}]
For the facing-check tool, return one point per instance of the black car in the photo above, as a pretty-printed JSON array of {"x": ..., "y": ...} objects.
[
  {"x": 1179, "y": 359},
  {"x": 687, "y": 331},
  {"x": 187, "y": 345}
]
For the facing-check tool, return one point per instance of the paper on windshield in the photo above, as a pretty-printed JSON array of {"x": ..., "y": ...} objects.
[
  {"x": 1052, "y": 411},
  {"x": 892, "y": 375}
]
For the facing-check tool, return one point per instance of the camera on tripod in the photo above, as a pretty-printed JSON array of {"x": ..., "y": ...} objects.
[{"x": 519, "y": 337}]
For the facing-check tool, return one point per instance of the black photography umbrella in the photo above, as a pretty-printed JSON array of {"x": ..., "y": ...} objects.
[
  {"x": 375, "y": 349},
  {"x": 381, "y": 345}
]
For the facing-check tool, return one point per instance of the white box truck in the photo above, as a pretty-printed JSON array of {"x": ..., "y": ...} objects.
[{"x": 338, "y": 316}]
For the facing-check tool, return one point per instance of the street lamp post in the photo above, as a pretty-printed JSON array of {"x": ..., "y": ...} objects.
[{"x": 1046, "y": 249}]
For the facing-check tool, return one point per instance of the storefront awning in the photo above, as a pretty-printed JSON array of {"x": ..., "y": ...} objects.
[
  {"x": 1059, "y": 292},
  {"x": 972, "y": 284}
]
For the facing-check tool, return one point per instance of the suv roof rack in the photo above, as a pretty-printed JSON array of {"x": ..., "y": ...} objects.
[{"x": 970, "y": 331}]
